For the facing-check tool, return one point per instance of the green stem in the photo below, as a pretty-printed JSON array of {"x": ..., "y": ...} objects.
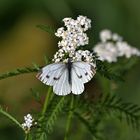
[
  {"x": 69, "y": 118},
  {"x": 26, "y": 136},
  {"x": 45, "y": 107},
  {"x": 46, "y": 101},
  {"x": 10, "y": 117}
]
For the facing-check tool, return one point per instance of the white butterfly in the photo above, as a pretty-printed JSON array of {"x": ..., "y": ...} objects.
[{"x": 67, "y": 77}]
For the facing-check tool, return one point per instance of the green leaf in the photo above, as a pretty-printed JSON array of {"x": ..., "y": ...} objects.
[
  {"x": 36, "y": 95},
  {"x": 18, "y": 72},
  {"x": 127, "y": 111},
  {"x": 47, "y": 28},
  {"x": 36, "y": 66},
  {"x": 43, "y": 137},
  {"x": 104, "y": 70},
  {"x": 91, "y": 128},
  {"x": 55, "y": 107}
]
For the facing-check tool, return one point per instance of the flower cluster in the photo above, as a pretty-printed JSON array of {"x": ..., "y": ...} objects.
[
  {"x": 112, "y": 46},
  {"x": 82, "y": 55},
  {"x": 29, "y": 121},
  {"x": 107, "y": 35},
  {"x": 72, "y": 37},
  {"x": 74, "y": 34},
  {"x": 124, "y": 49},
  {"x": 106, "y": 52}
]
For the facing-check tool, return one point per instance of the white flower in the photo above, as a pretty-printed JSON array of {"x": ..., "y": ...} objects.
[
  {"x": 69, "y": 22},
  {"x": 106, "y": 52},
  {"x": 112, "y": 46},
  {"x": 84, "y": 22},
  {"x": 124, "y": 49},
  {"x": 63, "y": 55},
  {"x": 116, "y": 37},
  {"x": 29, "y": 121},
  {"x": 83, "y": 55},
  {"x": 105, "y": 35},
  {"x": 74, "y": 35},
  {"x": 60, "y": 32},
  {"x": 135, "y": 51}
]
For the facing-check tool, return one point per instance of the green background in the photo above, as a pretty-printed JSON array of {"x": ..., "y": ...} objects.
[{"x": 21, "y": 44}]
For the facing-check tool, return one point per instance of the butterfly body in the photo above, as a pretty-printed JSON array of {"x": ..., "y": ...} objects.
[
  {"x": 69, "y": 67},
  {"x": 67, "y": 77}
]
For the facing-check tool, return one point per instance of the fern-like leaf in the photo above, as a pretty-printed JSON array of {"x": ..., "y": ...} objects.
[
  {"x": 55, "y": 107},
  {"x": 19, "y": 72},
  {"x": 103, "y": 69},
  {"x": 128, "y": 111},
  {"x": 92, "y": 128}
]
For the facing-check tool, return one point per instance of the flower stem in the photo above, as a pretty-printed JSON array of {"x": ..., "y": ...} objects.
[
  {"x": 10, "y": 117},
  {"x": 26, "y": 136},
  {"x": 69, "y": 118},
  {"x": 46, "y": 101},
  {"x": 48, "y": 95}
]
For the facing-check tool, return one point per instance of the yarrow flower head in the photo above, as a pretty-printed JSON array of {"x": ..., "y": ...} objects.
[
  {"x": 124, "y": 49},
  {"x": 107, "y": 35},
  {"x": 29, "y": 122},
  {"x": 79, "y": 55},
  {"x": 84, "y": 55},
  {"x": 74, "y": 35},
  {"x": 112, "y": 46},
  {"x": 106, "y": 51}
]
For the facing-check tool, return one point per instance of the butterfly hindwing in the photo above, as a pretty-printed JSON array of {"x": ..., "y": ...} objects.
[
  {"x": 62, "y": 86},
  {"x": 77, "y": 86},
  {"x": 82, "y": 72}
]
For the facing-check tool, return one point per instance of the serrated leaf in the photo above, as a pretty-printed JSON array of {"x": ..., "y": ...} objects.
[
  {"x": 55, "y": 108},
  {"x": 127, "y": 111},
  {"x": 102, "y": 69},
  {"x": 18, "y": 72}
]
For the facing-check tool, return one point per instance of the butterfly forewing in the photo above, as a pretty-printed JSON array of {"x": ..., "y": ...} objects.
[{"x": 51, "y": 73}]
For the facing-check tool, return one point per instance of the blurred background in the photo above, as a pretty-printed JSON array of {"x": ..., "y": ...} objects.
[{"x": 22, "y": 44}]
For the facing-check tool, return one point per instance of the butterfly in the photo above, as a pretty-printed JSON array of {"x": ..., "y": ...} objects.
[{"x": 67, "y": 77}]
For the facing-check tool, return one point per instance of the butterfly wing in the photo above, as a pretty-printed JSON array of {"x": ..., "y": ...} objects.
[
  {"x": 62, "y": 86},
  {"x": 82, "y": 72},
  {"x": 77, "y": 85},
  {"x": 56, "y": 75},
  {"x": 51, "y": 73}
]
